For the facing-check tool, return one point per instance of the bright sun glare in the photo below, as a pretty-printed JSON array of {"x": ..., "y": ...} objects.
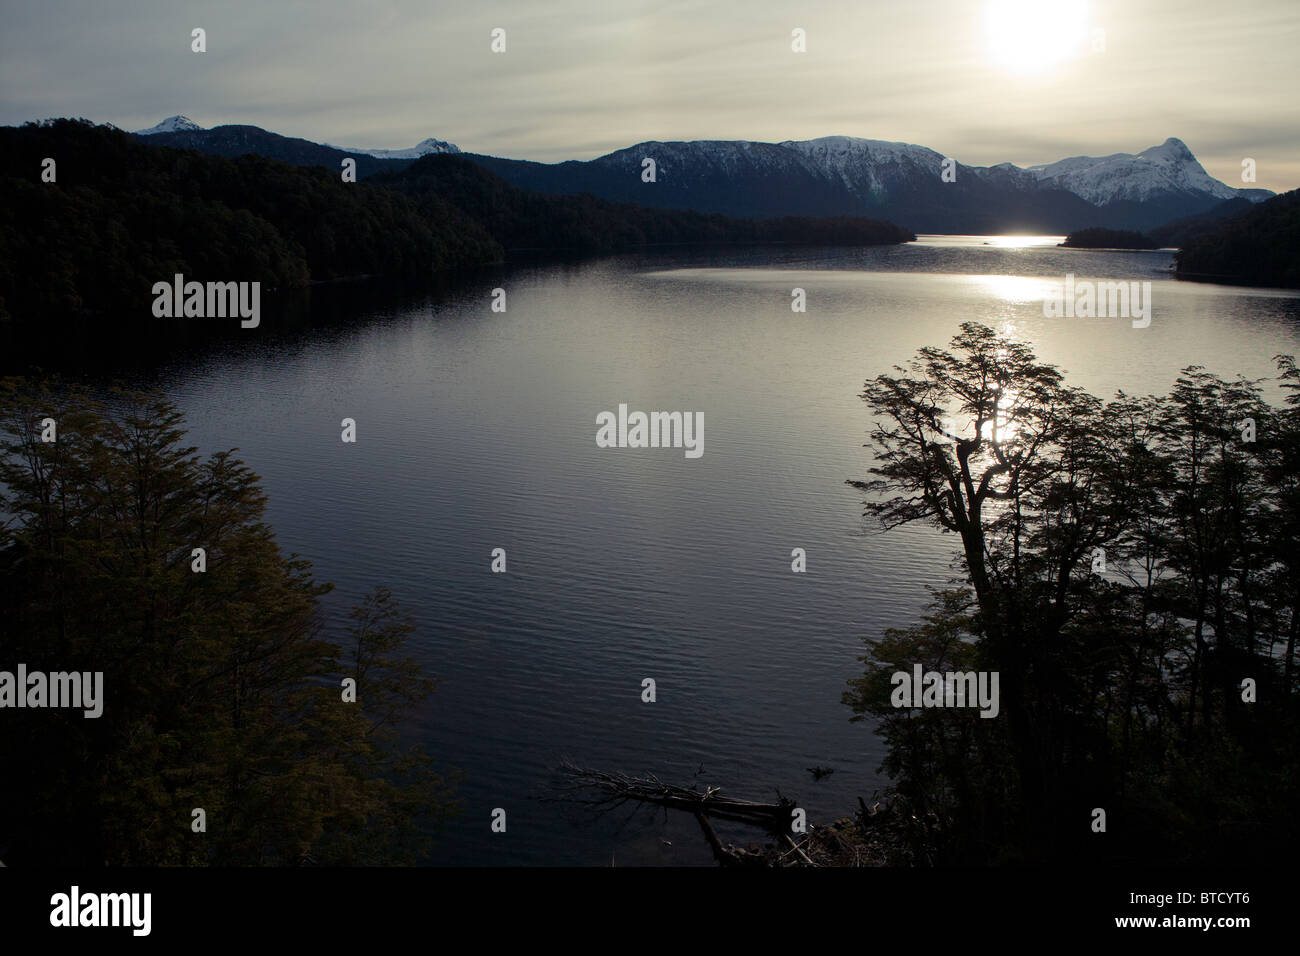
[{"x": 1029, "y": 36}]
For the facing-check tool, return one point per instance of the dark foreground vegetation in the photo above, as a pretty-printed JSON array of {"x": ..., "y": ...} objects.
[
  {"x": 1130, "y": 569},
  {"x": 220, "y": 691},
  {"x": 122, "y": 215}
]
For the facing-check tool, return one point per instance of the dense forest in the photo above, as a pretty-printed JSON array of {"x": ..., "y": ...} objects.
[
  {"x": 1129, "y": 568},
  {"x": 1260, "y": 247},
  {"x": 1180, "y": 232},
  {"x": 520, "y": 219},
  {"x": 1174, "y": 234},
  {"x": 121, "y": 215},
  {"x": 220, "y": 692}
]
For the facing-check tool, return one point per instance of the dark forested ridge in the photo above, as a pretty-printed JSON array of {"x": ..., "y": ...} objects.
[
  {"x": 242, "y": 140},
  {"x": 1259, "y": 247},
  {"x": 1179, "y": 232},
  {"x": 1236, "y": 241},
  {"x": 521, "y": 219},
  {"x": 122, "y": 215}
]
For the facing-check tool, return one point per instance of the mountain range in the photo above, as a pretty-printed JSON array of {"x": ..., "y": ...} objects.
[
  {"x": 829, "y": 176},
  {"x": 134, "y": 213}
]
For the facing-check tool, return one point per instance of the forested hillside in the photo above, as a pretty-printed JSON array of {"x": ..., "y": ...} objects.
[
  {"x": 522, "y": 219},
  {"x": 1261, "y": 247},
  {"x": 121, "y": 216}
]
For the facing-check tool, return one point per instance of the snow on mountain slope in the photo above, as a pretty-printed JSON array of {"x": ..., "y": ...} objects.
[
  {"x": 828, "y": 176},
  {"x": 874, "y": 170},
  {"x": 862, "y": 166},
  {"x": 422, "y": 148},
  {"x": 836, "y": 152},
  {"x": 172, "y": 124},
  {"x": 845, "y": 175},
  {"x": 1160, "y": 170},
  {"x": 717, "y": 154},
  {"x": 865, "y": 164}
]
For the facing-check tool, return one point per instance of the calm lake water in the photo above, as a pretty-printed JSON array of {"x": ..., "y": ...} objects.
[{"x": 476, "y": 430}]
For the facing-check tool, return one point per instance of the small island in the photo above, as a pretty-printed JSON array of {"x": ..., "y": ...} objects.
[{"x": 1099, "y": 238}]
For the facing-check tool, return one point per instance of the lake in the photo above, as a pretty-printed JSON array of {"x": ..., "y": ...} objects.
[{"x": 476, "y": 430}]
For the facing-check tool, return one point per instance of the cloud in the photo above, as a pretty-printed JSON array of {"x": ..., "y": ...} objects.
[{"x": 583, "y": 77}]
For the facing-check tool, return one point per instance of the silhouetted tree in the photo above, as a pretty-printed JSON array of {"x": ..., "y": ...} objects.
[{"x": 1121, "y": 569}]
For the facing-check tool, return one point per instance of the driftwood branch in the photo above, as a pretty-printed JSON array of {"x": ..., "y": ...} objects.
[
  {"x": 797, "y": 848},
  {"x": 607, "y": 790},
  {"x": 614, "y": 788},
  {"x": 878, "y": 834}
]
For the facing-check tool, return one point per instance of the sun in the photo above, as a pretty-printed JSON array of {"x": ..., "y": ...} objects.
[{"x": 1030, "y": 36}]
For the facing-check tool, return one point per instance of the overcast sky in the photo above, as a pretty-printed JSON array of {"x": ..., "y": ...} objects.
[{"x": 583, "y": 77}]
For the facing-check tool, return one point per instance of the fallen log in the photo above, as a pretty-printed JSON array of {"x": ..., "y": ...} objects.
[{"x": 615, "y": 788}]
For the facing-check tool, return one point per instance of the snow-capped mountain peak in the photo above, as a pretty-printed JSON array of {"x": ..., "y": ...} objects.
[
  {"x": 426, "y": 146},
  {"x": 1167, "y": 168},
  {"x": 422, "y": 148},
  {"x": 172, "y": 124},
  {"x": 1173, "y": 150}
]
